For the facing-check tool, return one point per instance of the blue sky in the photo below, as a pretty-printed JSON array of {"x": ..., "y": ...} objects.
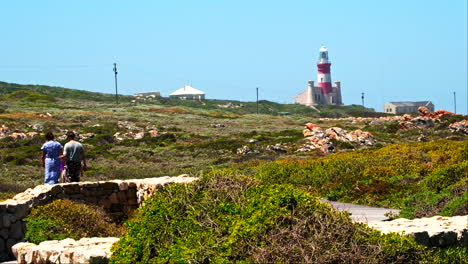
[{"x": 390, "y": 50}]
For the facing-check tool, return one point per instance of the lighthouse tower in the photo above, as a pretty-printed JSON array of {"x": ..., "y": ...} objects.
[
  {"x": 323, "y": 76},
  {"x": 324, "y": 92}
]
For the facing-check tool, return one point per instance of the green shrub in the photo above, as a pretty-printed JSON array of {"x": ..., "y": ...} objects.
[
  {"x": 378, "y": 177},
  {"x": 224, "y": 218},
  {"x": 67, "y": 219},
  {"x": 443, "y": 177},
  {"x": 30, "y": 96},
  {"x": 451, "y": 201},
  {"x": 457, "y": 206}
]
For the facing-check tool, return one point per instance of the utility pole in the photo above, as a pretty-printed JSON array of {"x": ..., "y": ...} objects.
[
  {"x": 455, "y": 101},
  {"x": 257, "y": 100},
  {"x": 362, "y": 97},
  {"x": 115, "y": 75}
]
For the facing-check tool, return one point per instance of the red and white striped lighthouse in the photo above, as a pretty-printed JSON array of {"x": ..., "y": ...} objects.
[{"x": 323, "y": 76}]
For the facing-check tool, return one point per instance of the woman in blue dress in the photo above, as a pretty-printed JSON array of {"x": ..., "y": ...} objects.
[{"x": 51, "y": 150}]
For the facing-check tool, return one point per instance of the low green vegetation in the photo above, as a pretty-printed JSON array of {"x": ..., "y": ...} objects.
[
  {"x": 67, "y": 219},
  {"x": 429, "y": 175},
  {"x": 225, "y": 218}
]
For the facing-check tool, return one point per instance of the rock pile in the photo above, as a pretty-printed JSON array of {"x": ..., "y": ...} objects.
[
  {"x": 319, "y": 138},
  {"x": 85, "y": 250},
  {"x": 461, "y": 126},
  {"x": 436, "y": 231},
  {"x": 230, "y": 105},
  {"x": 246, "y": 150},
  {"x": 419, "y": 122},
  {"x": 423, "y": 111}
]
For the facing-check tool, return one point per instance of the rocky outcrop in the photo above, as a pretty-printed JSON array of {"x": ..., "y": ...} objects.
[
  {"x": 461, "y": 126},
  {"x": 423, "y": 111},
  {"x": 319, "y": 138},
  {"x": 85, "y": 250},
  {"x": 436, "y": 231},
  {"x": 118, "y": 198}
]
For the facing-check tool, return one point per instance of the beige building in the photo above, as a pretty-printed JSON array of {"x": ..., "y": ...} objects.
[
  {"x": 406, "y": 107},
  {"x": 314, "y": 95}
]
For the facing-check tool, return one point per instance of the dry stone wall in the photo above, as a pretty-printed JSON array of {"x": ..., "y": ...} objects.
[{"x": 118, "y": 198}]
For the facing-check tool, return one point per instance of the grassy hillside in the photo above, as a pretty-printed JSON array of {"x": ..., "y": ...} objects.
[
  {"x": 42, "y": 93},
  {"x": 7, "y": 90},
  {"x": 203, "y": 139}
]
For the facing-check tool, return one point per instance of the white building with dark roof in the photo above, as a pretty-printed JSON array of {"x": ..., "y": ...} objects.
[
  {"x": 407, "y": 107},
  {"x": 188, "y": 93}
]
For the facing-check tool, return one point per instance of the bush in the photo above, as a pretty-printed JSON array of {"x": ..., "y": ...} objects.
[
  {"x": 451, "y": 201},
  {"x": 443, "y": 177},
  {"x": 376, "y": 177},
  {"x": 67, "y": 219},
  {"x": 224, "y": 218}
]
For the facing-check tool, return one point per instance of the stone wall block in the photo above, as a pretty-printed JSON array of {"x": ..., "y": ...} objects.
[
  {"x": 91, "y": 199},
  {"x": 132, "y": 201},
  {"x": 444, "y": 239},
  {"x": 56, "y": 189},
  {"x": 113, "y": 198},
  {"x": 422, "y": 238},
  {"x": 464, "y": 238},
  {"x": 122, "y": 197},
  {"x": 76, "y": 197},
  {"x": 6, "y": 220},
  {"x": 123, "y": 186},
  {"x": 3, "y": 208},
  {"x": 22, "y": 210},
  {"x": 105, "y": 203},
  {"x": 71, "y": 188},
  {"x": 12, "y": 218},
  {"x": 109, "y": 185},
  {"x": 131, "y": 193},
  {"x": 4, "y": 233},
  {"x": 11, "y": 208},
  {"x": 16, "y": 231},
  {"x": 35, "y": 202},
  {"x": 102, "y": 193},
  {"x": 2, "y": 245},
  {"x": 115, "y": 207},
  {"x": 10, "y": 243}
]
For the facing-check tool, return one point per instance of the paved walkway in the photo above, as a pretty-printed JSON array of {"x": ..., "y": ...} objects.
[{"x": 361, "y": 213}]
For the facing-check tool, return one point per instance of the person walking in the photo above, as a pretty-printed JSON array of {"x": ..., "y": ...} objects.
[
  {"x": 74, "y": 154},
  {"x": 51, "y": 152}
]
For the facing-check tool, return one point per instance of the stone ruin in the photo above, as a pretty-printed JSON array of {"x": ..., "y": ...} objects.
[{"x": 118, "y": 198}]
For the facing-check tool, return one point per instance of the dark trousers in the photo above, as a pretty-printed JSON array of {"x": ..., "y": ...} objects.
[{"x": 73, "y": 171}]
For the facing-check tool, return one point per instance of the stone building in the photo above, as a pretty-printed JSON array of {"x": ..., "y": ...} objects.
[
  {"x": 324, "y": 92},
  {"x": 406, "y": 107}
]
